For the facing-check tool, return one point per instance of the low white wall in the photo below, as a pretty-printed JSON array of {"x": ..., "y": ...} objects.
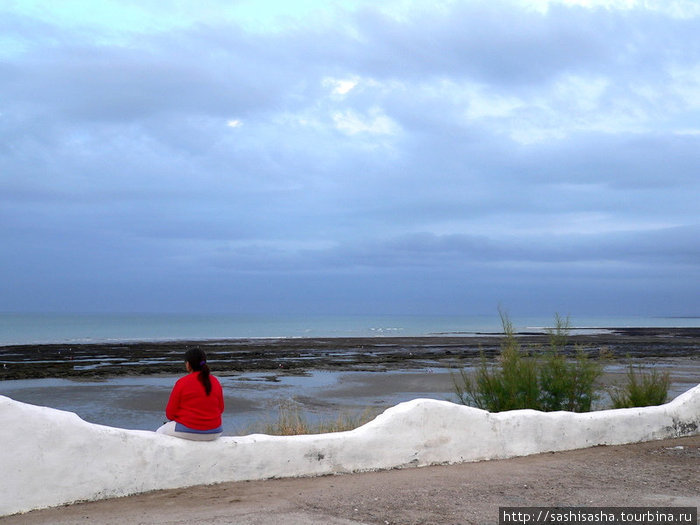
[{"x": 50, "y": 457}]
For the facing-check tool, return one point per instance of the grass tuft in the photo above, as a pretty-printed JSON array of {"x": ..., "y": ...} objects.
[
  {"x": 644, "y": 388},
  {"x": 291, "y": 421}
]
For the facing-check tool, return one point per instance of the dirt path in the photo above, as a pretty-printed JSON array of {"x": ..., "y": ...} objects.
[{"x": 658, "y": 473}]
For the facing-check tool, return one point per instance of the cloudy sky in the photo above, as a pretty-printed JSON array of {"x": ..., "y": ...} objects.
[{"x": 312, "y": 156}]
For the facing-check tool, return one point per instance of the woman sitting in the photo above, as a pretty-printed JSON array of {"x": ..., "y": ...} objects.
[{"x": 196, "y": 402}]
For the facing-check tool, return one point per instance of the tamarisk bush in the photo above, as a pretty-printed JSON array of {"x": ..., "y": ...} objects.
[{"x": 545, "y": 381}]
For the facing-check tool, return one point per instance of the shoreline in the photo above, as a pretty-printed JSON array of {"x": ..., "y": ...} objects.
[{"x": 299, "y": 354}]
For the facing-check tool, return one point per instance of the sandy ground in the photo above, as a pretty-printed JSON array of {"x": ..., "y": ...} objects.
[{"x": 657, "y": 473}]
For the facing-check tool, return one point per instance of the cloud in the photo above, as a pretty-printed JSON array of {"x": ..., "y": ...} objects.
[
  {"x": 523, "y": 147},
  {"x": 375, "y": 122}
]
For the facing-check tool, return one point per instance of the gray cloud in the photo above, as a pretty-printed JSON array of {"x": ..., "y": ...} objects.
[{"x": 447, "y": 159}]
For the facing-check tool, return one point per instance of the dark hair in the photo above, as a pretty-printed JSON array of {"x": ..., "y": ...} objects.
[{"x": 198, "y": 362}]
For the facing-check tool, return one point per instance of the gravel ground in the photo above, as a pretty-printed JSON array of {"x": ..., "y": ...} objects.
[{"x": 656, "y": 474}]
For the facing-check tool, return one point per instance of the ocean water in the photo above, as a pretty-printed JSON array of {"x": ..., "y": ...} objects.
[{"x": 77, "y": 328}]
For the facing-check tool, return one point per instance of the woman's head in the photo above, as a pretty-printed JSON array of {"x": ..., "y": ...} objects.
[{"x": 196, "y": 358}]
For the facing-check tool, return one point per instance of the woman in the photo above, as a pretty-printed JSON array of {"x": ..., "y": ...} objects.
[{"x": 196, "y": 402}]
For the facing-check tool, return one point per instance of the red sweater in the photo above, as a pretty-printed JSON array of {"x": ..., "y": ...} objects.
[{"x": 190, "y": 405}]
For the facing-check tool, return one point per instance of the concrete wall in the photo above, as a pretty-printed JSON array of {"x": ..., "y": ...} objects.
[{"x": 50, "y": 457}]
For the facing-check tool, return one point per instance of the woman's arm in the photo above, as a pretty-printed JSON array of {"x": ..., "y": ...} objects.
[
  {"x": 220, "y": 394},
  {"x": 171, "y": 409}
]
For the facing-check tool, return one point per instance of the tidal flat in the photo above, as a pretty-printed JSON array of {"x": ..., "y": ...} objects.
[{"x": 127, "y": 384}]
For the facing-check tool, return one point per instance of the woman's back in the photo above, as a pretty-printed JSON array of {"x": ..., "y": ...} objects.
[{"x": 190, "y": 405}]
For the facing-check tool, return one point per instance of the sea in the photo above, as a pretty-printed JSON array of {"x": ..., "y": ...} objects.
[{"x": 37, "y": 328}]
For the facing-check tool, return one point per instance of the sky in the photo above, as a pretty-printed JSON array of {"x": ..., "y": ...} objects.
[{"x": 350, "y": 157}]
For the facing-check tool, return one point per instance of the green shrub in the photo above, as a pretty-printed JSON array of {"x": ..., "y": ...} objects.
[
  {"x": 547, "y": 381},
  {"x": 510, "y": 385},
  {"x": 566, "y": 384},
  {"x": 643, "y": 388}
]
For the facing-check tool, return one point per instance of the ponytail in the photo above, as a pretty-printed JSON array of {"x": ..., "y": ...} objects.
[{"x": 198, "y": 362}]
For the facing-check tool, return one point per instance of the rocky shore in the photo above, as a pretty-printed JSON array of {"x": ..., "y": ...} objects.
[{"x": 101, "y": 360}]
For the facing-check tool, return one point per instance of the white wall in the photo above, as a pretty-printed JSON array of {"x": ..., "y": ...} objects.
[{"x": 50, "y": 457}]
